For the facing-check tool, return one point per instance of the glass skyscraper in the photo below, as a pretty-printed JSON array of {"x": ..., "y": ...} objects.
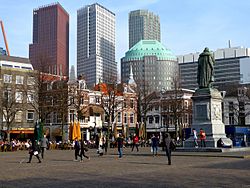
[
  {"x": 143, "y": 25},
  {"x": 96, "y": 44}
]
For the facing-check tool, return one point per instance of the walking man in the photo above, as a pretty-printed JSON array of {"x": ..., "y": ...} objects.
[
  {"x": 119, "y": 145},
  {"x": 44, "y": 144},
  {"x": 195, "y": 138},
  {"x": 155, "y": 143},
  {"x": 168, "y": 143}
]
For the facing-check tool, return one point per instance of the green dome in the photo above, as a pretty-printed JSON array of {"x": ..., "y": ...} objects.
[{"x": 149, "y": 48}]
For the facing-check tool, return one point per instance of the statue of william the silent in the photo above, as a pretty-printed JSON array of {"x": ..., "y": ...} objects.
[{"x": 205, "y": 72}]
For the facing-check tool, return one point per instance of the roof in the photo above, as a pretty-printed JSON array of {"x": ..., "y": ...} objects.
[
  {"x": 149, "y": 48},
  {"x": 107, "y": 88}
]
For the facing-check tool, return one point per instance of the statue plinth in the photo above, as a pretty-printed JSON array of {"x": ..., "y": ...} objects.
[{"x": 207, "y": 114}]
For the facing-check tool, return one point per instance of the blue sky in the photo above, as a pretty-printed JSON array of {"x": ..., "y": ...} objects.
[{"x": 186, "y": 25}]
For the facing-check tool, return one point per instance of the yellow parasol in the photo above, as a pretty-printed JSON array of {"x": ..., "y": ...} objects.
[
  {"x": 78, "y": 130},
  {"x": 74, "y": 132},
  {"x": 70, "y": 131}
]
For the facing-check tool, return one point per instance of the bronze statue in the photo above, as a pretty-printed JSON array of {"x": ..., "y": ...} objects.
[{"x": 205, "y": 70}]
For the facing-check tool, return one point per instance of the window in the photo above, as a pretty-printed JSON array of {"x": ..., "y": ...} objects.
[
  {"x": 82, "y": 100},
  {"x": 125, "y": 118},
  {"x": 4, "y": 115},
  {"x": 19, "y": 79},
  {"x": 231, "y": 106},
  {"x": 231, "y": 119},
  {"x": 131, "y": 118},
  {"x": 30, "y": 81},
  {"x": 49, "y": 86},
  {"x": 91, "y": 100},
  {"x": 71, "y": 100},
  {"x": 132, "y": 103},
  {"x": 151, "y": 119},
  {"x": 124, "y": 104},
  {"x": 119, "y": 117},
  {"x": 7, "y": 95},
  {"x": 18, "y": 116},
  {"x": 157, "y": 119},
  {"x": 19, "y": 97},
  {"x": 30, "y": 115},
  {"x": 157, "y": 108},
  {"x": 97, "y": 100},
  {"x": 30, "y": 97},
  {"x": 71, "y": 115},
  {"x": 55, "y": 117},
  {"x": 7, "y": 78}
]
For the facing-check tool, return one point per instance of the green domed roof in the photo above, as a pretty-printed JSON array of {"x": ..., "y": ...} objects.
[{"x": 149, "y": 48}]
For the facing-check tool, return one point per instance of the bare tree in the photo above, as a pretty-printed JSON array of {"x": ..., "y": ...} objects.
[
  {"x": 11, "y": 105},
  {"x": 110, "y": 103},
  {"x": 175, "y": 108},
  {"x": 144, "y": 101}
]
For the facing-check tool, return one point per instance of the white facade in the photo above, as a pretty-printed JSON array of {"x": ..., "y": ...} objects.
[{"x": 96, "y": 44}]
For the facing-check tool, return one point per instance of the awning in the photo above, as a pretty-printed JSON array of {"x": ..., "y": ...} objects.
[{"x": 21, "y": 131}]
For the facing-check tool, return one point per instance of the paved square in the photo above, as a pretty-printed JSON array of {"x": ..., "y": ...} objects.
[{"x": 134, "y": 170}]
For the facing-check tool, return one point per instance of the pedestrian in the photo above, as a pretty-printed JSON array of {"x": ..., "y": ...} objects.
[
  {"x": 135, "y": 142},
  {"x": 44, "y": 144},
  {"x": 77, "y": 148},
  {"x": 195, "y": 138},
  {"x": 34, "y": 150},
  {"x": 119, "y": 141},
  {"x": 104, "y": 144},
  {"x": 83, "y": 149},
  {"x": 202, "y": 137},
  {"x": 169, "y": 144},
  {"x": 155, "y": 143}
]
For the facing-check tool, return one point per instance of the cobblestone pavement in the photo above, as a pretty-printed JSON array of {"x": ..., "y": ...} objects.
[{"x": 137, "y": 169}]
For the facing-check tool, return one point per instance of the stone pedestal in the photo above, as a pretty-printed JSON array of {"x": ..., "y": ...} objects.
[{"x": 207, "y": 114}]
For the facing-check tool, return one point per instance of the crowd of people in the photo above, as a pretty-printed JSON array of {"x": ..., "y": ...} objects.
[
  {"x": 81, "y": 146},
  {"x": 14, "y": 145}
]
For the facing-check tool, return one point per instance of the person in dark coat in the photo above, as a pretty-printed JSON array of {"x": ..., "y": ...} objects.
[
  {"x": 83, "y": 149},
  {"x": 77, "y": 148},
  {"x": 34, "y": 150},
  {"x": 168, "y": 141},
  {"x": 155, "y": 143},
  {"x": 120, "y": 145}
]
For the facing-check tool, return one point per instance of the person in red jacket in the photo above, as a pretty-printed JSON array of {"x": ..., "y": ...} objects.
[
  {"x": 135, "y": 142},
  {"x": 203, "y": 137}
]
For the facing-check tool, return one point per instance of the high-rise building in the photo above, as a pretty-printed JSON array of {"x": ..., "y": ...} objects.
[
  {"x": 154, "y": 67},
  {"x": 96, "y": 44},
  {"x": 49, "y": 52},
  {"x": 232, "y": 67},
  {"x": 143, "y": 25}
]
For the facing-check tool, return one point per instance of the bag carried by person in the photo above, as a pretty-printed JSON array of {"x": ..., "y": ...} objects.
[{"x": 172, "y": 145}]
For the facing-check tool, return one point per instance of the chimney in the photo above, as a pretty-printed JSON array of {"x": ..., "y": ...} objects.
[{"x": 229, "y": 44}]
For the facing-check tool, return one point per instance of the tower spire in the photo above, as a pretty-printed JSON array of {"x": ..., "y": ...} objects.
[{"x": 131, "y": 76}]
